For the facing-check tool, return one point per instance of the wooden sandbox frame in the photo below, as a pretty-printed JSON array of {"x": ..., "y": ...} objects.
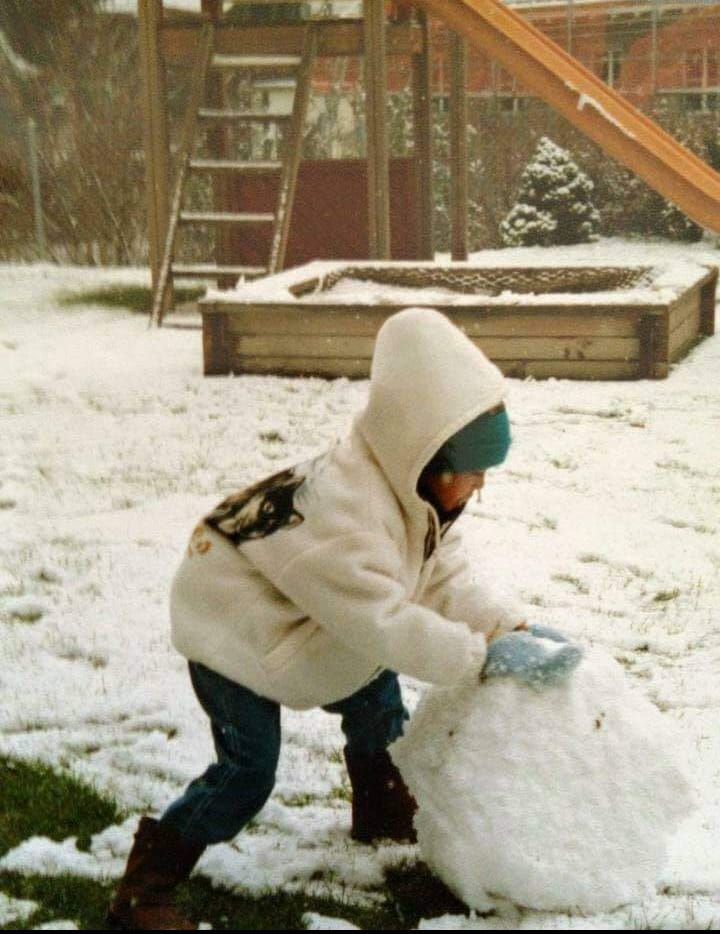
[{"x": 535, "y": 322}]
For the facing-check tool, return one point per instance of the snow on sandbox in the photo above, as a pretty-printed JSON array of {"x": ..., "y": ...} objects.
[
  {"x": 558, "y": 800},
  {"x": 337, "y": 282}
]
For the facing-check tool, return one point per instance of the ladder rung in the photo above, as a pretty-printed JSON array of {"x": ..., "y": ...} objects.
[
  {"x": 257, "y": 62},
  {"x": 229, "y": 165},
  {"x": 211, "y": 271},
  {"x": 224, "y": 217},
  {"x": 251, "y": 116}
]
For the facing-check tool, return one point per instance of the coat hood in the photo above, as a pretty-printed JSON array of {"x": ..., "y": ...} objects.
[{"x": 428, "y": 380}]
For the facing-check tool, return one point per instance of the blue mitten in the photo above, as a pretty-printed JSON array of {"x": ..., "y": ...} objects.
[
  {"x": 529, "y": 658},
  {"x": 545, "y": 632}
]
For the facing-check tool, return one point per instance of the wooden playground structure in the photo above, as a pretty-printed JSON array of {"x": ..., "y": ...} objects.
[{"x": 217, "y": 46}]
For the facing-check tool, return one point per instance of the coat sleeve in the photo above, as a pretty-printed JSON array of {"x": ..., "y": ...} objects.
[
  {"x": 352, "y": 586},
  {"x": 453, "y": 592}
]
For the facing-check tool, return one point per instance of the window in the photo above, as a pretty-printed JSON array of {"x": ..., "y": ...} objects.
[
  {"x": 504, "y": 81},
  {"x": 511, "y": 104},
  {"x": 713, "y": 67},
  {"x": 695, "y": 68},
  {"x": 702, "y": 68},
  {"x": 611, "y": 64}
]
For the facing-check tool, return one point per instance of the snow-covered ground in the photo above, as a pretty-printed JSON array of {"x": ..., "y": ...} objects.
[{"x": 606, "y": 519}]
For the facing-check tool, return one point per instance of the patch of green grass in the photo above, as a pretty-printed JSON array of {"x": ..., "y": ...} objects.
[
  {"x": 573, "y": 581},
  {"x": 86, "y": 903},
  {"x": 133, "y": 297},
  {"x": 35, "y": 801},
  {"x": 299, "y": 801},
  {"x": 412, "y": 893},
  {"x": 665, "y": 596},
  {"x": 341, "y": 793},
  {"x": 276, "y": 911},
  {"x": 63, "y": 898}
]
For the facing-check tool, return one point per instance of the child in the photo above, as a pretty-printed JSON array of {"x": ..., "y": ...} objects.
[{"x": 313, "y": 587}]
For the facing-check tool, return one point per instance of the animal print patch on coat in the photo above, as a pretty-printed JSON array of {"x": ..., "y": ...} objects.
[
  {"x": 259, "y": 510},
  {"x": 199, "y": 542}
]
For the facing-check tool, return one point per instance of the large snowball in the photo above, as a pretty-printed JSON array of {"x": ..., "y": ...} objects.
[{"x": 561, "y": 800}]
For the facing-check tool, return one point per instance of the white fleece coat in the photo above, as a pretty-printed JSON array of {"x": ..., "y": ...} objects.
[{"x": 304, "y": 587}]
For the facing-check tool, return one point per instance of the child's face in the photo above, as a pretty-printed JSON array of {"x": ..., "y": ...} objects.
[{"x": 452, "y": 490}]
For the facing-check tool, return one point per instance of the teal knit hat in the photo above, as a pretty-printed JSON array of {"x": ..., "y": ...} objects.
[{"x": 479, "y": 445}]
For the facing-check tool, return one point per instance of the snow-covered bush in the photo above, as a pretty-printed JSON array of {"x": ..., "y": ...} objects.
[
  {"x": 554, "y": 204},
  {"x": 676, "y": 225},
  {"x": 527, "y": 225}
]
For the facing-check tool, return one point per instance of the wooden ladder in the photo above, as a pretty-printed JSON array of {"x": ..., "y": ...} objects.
[{"x": 300, "y": 67}]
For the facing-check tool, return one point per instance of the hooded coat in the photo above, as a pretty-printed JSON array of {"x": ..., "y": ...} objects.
[{"x": 305, "y": 586}]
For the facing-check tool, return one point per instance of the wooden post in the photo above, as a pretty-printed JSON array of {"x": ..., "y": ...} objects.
[
  {"x": 459, "y": 149},
  {"x": 36, "y": 189},
  {"x": 216, "y": 360},
  {"x": 422, "y": 128},
  {"x": 217, "y": 144},
  {"x": 648, "y": 336},
  {"x": 293, "y": 154},
  {"x": 570, "y": 26},
  {"x": 156, "y": 140},
  {"x": 707, "y": 305},
  {"x": 162, "y": 295},
  {"x": 654, "y": 52},
  {"x": 377, "y": 129}
]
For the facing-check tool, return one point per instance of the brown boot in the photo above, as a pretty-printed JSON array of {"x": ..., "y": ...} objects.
[
  {"x": 159, "y": 861},
  {"x": 382, "y": 806}
]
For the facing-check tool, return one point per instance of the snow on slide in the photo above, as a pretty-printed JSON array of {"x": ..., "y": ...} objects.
[{"x": 563, "y": 799}]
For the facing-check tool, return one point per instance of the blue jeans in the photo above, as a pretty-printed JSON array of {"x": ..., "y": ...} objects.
[{"x": 246, "y": 731}]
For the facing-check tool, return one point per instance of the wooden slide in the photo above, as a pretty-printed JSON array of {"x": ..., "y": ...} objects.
[{"x": 625, "y": 133}]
